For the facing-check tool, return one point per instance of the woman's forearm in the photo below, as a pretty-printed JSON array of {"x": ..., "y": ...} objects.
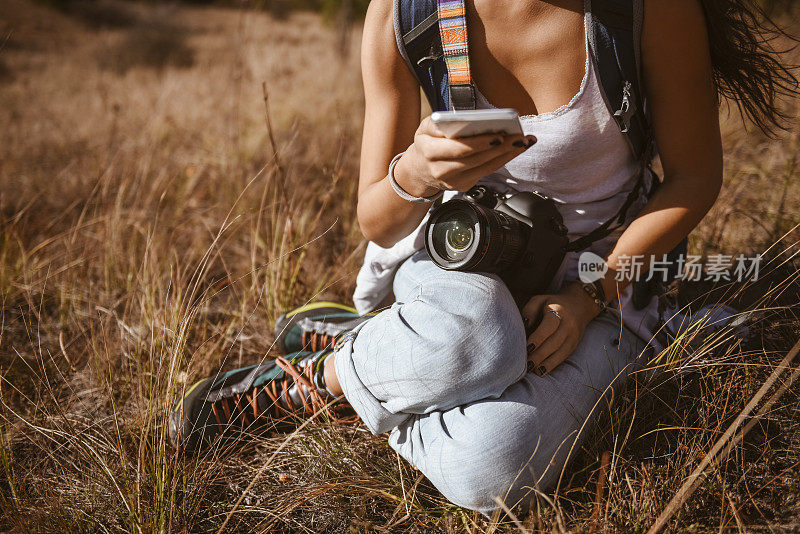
[
  {"x": 384, "y": 217},
  {"x": 677, "y": 207}
]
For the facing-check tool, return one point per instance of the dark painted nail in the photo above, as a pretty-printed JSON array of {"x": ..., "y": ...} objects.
[
  {"x": 531, "y": 366},
  {"x": 518, "y": 144},
  {"x": 496, "y": 142},
  {"x": 541, "y": 370},
  {"x": 531, "y": 347}
]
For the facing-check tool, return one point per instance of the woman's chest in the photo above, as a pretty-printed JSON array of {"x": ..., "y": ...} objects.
[
  {"x": 580, "y": 156},
  {"x": 527, "y": 55}
]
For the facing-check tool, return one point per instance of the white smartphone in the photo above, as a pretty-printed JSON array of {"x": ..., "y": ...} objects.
[{"x": 471, "y": 122}]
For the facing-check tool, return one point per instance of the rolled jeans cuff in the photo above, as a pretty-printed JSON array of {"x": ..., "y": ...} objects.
[{"x": 371, "y": 410}]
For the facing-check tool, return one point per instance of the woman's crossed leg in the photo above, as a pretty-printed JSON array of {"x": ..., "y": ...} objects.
[{"x": 444, "y": 371}]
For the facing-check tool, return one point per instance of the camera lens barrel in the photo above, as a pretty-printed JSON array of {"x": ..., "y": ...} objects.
[{"x": 465, "y": 236}]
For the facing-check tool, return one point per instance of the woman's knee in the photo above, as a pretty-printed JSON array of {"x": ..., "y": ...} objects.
[
  {"x": 458, "y": 338},
  {"x": 485, "y": 485},
  {"x": 474, "y": 309},
  {"x": 472, "y": 321}
]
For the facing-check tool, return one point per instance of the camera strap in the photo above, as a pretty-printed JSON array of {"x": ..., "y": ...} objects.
[
  {"x": 453, "y": 31},
  {"x": 615, "y": 222}
]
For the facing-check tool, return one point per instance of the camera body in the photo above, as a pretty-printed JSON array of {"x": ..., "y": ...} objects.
[{"x": 521, "y": 238}]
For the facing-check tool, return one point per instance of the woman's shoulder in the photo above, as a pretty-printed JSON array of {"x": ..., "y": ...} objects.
[
  {"x": 673, "y": 16},
  {"x": 379, "y": 19},
  {"x": 380, "y": 59},
  {"x": 674, "y": 35},
  {"x": 378, "y": 36}
]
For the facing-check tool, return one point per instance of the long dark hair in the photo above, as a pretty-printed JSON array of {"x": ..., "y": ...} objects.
[{"x": 748, "y": 69}]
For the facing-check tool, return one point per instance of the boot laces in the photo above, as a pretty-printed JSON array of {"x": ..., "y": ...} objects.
[
  {"x": 230, "y": 410},
  {"x": 315, "y": 341}
]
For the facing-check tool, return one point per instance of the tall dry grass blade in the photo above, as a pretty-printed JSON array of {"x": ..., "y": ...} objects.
[
  {"x": 601, "y": 486},
  {"x": 274, "y": 145}
]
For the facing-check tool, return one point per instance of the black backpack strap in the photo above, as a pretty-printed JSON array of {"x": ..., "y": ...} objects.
[
  {"x": 616, "y": 45},
  {"x": 615, "y": 42},
  {"x": 416, "y": 30},
  {"x": 419, "y": 40}
]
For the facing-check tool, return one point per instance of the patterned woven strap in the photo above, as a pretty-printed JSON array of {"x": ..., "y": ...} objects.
[{"x": 453, "y": 31}]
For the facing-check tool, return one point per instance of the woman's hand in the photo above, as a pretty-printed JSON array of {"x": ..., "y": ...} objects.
[
  {"x": 562, "y": 319},
  {"x": 433, "y": 162}
]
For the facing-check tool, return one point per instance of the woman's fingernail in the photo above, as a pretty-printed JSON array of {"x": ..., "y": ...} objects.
[
  {"x": 531, "y": 366},
  {"x": 496, "y": 142},
  {"x": 531, "y": 141},
  {"x": 541, "y": 370},
  {"x": 531, "y": 347},
  {"x": 518, "y": 144}
]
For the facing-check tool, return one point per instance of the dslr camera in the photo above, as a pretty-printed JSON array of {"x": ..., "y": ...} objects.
[{"x": 521, "y": 238}]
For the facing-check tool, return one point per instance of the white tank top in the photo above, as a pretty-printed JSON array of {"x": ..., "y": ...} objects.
[{"x": 581, "y": 160}]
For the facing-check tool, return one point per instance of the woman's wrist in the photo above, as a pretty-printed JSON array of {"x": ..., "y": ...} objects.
[
  {"x": 592, "y": 306},
  {"x": 405, "y": 177}
]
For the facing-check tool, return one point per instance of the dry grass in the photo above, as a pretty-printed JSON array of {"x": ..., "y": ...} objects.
[{"x": 151, "y": 235}]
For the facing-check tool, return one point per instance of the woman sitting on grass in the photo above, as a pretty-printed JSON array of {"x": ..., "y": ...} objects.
[{"x": 487, "y": 401}]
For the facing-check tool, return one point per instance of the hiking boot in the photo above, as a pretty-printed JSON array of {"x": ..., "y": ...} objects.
[
  {"x": 315, "y": 326},
  {"x": 279, "y": 392}
]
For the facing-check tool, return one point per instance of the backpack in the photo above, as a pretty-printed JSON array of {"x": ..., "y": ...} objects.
[{"x": 615, "y": 31}]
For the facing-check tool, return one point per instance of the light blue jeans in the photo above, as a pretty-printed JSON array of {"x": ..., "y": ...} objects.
[{"x": 444, "y": 372}]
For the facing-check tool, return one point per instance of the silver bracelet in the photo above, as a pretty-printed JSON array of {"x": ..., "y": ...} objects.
[{"x": 402, "y": 192}]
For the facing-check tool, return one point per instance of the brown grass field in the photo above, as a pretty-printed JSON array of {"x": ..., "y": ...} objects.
[{"x": 152, "y": 227}]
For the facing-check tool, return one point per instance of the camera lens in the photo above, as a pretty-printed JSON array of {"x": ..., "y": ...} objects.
[
  {"x": 453, "y": 235},
  {"x": 458, "y": 234},
  {"x": 465, "y": 236}
]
